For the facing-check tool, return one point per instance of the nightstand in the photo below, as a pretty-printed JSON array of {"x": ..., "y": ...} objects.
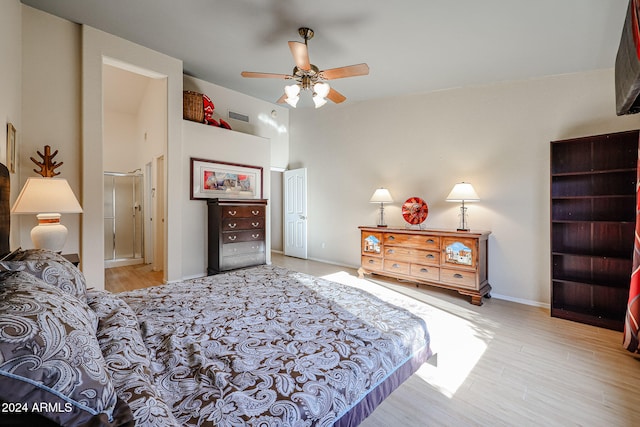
[{"x": 72, "y": 258}]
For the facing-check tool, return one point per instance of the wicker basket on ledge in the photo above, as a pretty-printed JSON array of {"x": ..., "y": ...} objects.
[{"x": 192, "y": 106}]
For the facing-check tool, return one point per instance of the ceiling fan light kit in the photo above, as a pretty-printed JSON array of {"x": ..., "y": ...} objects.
[{"x": 309, "y": 77}]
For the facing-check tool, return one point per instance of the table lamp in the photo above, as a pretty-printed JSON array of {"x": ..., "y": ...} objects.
[
  {"x": 47, "y": 198},
  {"x": 382, "y": 196},
  {"x": 463, "y": 192}
]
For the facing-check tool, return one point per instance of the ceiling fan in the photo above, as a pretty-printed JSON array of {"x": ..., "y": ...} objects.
[{"x": 308, "y": 77}]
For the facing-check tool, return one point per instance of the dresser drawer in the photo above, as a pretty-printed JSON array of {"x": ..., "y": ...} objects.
[
  {"x": 231, "y": 224},
  {"x": 413, "y": 240},
  {"x": 243, "y": 212},
  {"x": 397, "y": 267},
  {"x": 425, "y": 272},
  {"x": 425, "y": 257},
  {"x": 242, "y": 236},
  {"x": 242, "y": 248},
  {"x": 244, "y": 260},
  {"x": 371, "y": 263},
  {"x": 465, "y": 279}
]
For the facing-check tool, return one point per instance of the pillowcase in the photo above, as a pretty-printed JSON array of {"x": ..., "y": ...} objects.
[
  {"x": 54, "y": 273},
  {"x": 49, "y": 353},
  {"x": 61, "y": 272},
  {"x": 127, "y": 360}
]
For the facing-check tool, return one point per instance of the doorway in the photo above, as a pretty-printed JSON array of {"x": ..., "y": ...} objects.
[{"x": 134, "y": 139}]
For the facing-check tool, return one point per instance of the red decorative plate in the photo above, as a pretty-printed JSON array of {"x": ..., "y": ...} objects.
[{"x": 415, "y": 210}]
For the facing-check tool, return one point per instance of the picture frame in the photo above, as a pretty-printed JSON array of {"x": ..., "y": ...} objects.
[
  {"x": 11, "y": 148},
  {"x": 214, "y": 179}
]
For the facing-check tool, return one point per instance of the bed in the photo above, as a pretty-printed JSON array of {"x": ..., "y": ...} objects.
[{"x": 263, "y": 346}]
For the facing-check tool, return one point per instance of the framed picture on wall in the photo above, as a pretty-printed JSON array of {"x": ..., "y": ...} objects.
[
  {"x": 213, "y": 179},
  {"x": 11, "y": 148}
]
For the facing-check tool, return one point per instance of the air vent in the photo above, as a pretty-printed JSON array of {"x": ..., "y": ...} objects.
[{"x": 238, "y": 116}]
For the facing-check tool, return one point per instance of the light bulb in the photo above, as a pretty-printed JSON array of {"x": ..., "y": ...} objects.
[
  {"x": 321, "y": 89},
  {"x": 292, "y": 90},
  {"x": 319, "y": 101}
]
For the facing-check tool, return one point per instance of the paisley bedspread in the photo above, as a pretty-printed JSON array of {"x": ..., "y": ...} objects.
[{"x": 263, "y": 346}]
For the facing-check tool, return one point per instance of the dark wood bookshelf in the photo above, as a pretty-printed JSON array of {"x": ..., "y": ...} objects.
[{"x": 593, "y": 208}]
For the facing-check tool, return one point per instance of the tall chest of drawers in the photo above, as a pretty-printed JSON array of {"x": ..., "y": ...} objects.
[
  {"x": 236, "y": 234},
  {"x": 447, "y": 259}
]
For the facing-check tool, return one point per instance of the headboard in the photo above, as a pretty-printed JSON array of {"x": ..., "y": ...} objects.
[{"x": 5, "y": 210}]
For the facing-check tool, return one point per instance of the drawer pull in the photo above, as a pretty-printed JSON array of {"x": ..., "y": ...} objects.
[
  {"x": 395, "y": 266},
  {"x": 391, "y": 238},
  {"x": 255, "y": 224},
  {"x": 371, "y": 261},
  {"x": 391, "y": 251},
  {"x": 458, "y": 276},
  {"x": 431, "y": 241},
  {"x": 424, "y": 270},
  {"x": 232, "y": 238},
  {"x": 430, "y": 256},
  {"x": 255, "y": 212},
  {"x": 234, "y": 225},
  {"x": 233, "y": 213},
  {"x": 255, "y": 236}
]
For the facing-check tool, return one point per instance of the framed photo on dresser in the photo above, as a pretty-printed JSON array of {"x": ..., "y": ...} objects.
[{"x": 213, "y": 179}]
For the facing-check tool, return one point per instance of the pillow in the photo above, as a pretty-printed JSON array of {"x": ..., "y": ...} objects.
[
  {"x": 67, "y": 278},
  {"x": 127, "y": 360},
  {"x": 49, "y": 353},
  {"x": 69, "y": 269}
]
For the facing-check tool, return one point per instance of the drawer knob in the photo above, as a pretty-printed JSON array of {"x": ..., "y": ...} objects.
[
  {"x": 424, "y": 270},
  {"x": 232, "y": 238},
  {"x": 458, "y": 276},
  {"x": 371, "y": 261},
  {"x": 391, "y": 251},
  {"x": 255, "y": 212},
  {"x": 233, "y": 213},
  {"x": 391, "y": 238},
  {"x": 430, "y": 256},
  {"x": 255, "y": 236},
  {"x": 234, "y": 225},
  {"x": 395, "y": 266},
  {"x": 255, "y": 224},
  {"x": 430, "y": 241}
]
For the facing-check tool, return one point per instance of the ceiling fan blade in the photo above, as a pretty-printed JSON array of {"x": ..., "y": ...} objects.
[
  {"x": 255, "y": 75},
  {"x": 281, "y": 99},
  {"x": 300, "y": 55},
  {"x": 336, "y": 96},
  {"x": 342, "y": 72}
]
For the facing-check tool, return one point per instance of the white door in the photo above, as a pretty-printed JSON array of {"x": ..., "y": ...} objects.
[{"x": 295, "y": 213}]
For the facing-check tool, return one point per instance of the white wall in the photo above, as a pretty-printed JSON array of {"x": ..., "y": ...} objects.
[
  {"x": 51, "y": 108},
  {"x": 120, "y": 142},
  {"x": 10, "y": 90},
  {"x": 496, "y": 137},
  {"x": 212, "y": 143},
  {"x": 265, "y": 119}
]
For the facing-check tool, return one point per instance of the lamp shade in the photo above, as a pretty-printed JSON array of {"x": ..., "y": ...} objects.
[
  {"x": 46, "y": 195},
  {"x": 463, "y": 192},
  {"x": 381, "y": 195}
]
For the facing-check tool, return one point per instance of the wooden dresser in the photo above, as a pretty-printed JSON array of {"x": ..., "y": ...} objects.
[
  {"x": 236, "y": 234},
  {"x": 447, "y": 259}
]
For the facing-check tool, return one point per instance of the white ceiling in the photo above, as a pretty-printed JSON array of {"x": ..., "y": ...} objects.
[{"x": 411, "y": 46}]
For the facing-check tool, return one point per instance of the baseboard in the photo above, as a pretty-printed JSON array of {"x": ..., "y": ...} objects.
[{"x": 521, "y": 301}]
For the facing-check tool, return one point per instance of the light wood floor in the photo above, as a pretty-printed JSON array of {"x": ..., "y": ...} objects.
[
  {"x": 130, "y": 277},
  {"x": 501, "y": 364}
]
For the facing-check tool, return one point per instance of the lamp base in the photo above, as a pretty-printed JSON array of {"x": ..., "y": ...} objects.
[
  {"x": 49, "y": 233},
  {"x": 463, "y": 229},
  {"x": 382, "y": 226}
]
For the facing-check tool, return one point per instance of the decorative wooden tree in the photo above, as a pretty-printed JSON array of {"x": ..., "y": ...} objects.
[{"x": 47, "y": 165}]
